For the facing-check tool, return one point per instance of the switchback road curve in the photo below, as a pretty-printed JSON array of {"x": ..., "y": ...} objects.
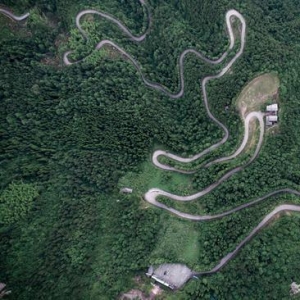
[
  {"x": 231, "y": 13},
  {"x": 152, "y": 194},
  {"x": 256, "y": 114}
]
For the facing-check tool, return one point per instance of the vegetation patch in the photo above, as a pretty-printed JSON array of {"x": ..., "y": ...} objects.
[
  {"x": 151, "y": 177},
  {"x": 16, "y": 201},
  {"x": 177, "y": 242}
]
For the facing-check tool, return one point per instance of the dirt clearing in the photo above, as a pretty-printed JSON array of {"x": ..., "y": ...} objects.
[{"x": 257, "y": 92}]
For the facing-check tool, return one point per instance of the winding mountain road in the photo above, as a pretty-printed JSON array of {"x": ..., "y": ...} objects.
[
  {"x": 256, "y": 114},
  {"x": 113, "y": 20},
  {"x": 152, "y": 194},
  {"x": 158, "y": 86},
  {"x": 12, "y": 16}
]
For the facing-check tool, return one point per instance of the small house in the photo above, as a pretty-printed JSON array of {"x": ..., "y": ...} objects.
[
  {"x": 126, "y": 191},
  {"x": 273, "y": 108},
  {"x": 271, "y": 120},
  {"x": 271, "y": 114}
]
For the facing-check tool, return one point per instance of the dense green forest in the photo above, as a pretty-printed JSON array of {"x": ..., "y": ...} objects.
[{"x": 72, "y": 136}]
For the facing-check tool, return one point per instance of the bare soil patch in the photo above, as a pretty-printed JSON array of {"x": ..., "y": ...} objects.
[
  {"x": 136, "y": 294},
  {"x": 257, "y": 92},
  {"x": 253, "y": 135}
]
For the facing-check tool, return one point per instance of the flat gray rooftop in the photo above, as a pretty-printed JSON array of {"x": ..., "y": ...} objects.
[{"x": 174, "y": 274}]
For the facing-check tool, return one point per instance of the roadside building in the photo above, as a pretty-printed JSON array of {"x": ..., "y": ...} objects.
[
  {"x": 172, "y": 276},
  {"x": 157, "y": 279},
  {"x": 272, "y": 114},
  {"x": 273, "y": 108},
  {"x": 271, "y": 120},
  {"x": 126, "y": 190}
]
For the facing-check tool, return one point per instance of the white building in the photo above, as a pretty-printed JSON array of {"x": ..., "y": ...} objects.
[
  {"x": 126, "y": 191},
  {"x": 271, "y": 119},
  {"x": 272, "y": 114},
  {"x": 272, "y": 108}
]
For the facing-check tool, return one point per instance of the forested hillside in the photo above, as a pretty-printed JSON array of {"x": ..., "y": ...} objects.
[{"x": 72, "y": 136}]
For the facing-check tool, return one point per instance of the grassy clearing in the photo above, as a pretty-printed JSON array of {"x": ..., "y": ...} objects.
[
  {"x": 177, "y": 239},
  {"x": 257, "y": 92},
  {"x": 152, "y": 177}
]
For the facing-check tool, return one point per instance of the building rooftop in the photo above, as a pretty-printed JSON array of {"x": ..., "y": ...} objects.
[
  {"x": 272, "y": 118},
  {"x": 126, "y": 190},
  {"x": 272, "y": 107},
  {"x": 171, "y": 275}
]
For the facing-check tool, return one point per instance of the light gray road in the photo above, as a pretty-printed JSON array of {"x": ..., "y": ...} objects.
[
  {"x": 231, "y": 13},
  {"x": 260, "y": 117},
  {"x": 152, "y": 194},
  {"x": 159, "y": 87},
  {"x": 256, "y": 114},
  {"x": 12, "y": 16},
  {"x": 113, "y": 20}
]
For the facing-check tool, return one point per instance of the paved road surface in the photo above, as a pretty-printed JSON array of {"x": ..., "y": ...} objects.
[{"x": 12, "y": 16}]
